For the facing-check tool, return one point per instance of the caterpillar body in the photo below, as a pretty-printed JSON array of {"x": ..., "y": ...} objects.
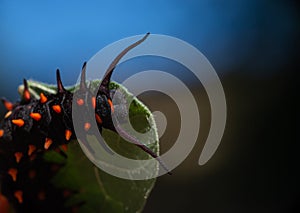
[{"x": 33, "y": 126}]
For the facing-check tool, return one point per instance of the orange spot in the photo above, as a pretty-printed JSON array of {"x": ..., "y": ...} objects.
[
  {"x": 64, "y": 147},
  {"x": 8, "y": 114},
  {"x": 68, "y": 134},
  {"x": 80, "y": 101},
  {"x": 43, "y": 98},
  {"x": 31, "y": 149},
  {"x": 18, "y": 156},
  {"x": 8, "y": 105},
  {"x": 1, "y": 132},
  {"x": 13, "y": 173},
  {"x": 87, "y": 126},
  {"x": 18, "y": 122},
  {"x": 111, "y": 105},
  {"x": 32, "y": 174},
  {"x": 36, "y": 116},
  {"x": 19, "y": 196},
  {"x": 94, "y": 102},
  {"x": 26, "y": 95},
  {"x": 56, "y": 108},
  {"x": 98, "y": 119},
  {"x": 47, "y": 143}
]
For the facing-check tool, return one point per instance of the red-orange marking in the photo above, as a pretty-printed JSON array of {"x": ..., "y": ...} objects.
[
  {"x": 26, "y": 95},
  {"x": 19, "y": 196},
  {"x": 18, "y": 122},
  {"x": 36, "y": 116},
  {"x": 111, "y": 105},
  {"x": 43, "y": 98},
  {"x": 98, "y": 119},
  {"x": 31, "y": 149},
  {"x": 68, "y": 134},
  {"x": 8, "y": 105},
  {"x": 18, "y": 156},
  {"x": 56, "y": 108},
  {"x": 47, "y": 143},
  {"x": 13, "y": 173}
]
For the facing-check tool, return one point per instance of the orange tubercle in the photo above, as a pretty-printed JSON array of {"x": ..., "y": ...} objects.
[
  {"x": 111, "y": 105},
  {"x": 47, "y": 143},
  {"x": 8, "y": 105},
  {"x": 13, "y": 173},
  {"x": 36, "y": 116},
  {"x": 19, "y": 196},
  {"x": 43, "y": 98},
  {"x": 56, "y": 108},
  {"x": 98, "y": 119},
  {"x": 68, "y": 134},
  {"x": 31, "y": 149},
  {"x": 1, "y": 133},
  {"x": 18, "y": 122},
  {"x": 26, "y": 95},
  {"x": 18, "y": 156}
]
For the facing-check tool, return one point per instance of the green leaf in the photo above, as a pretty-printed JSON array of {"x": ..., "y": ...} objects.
[{"x": 98, "y": 190}]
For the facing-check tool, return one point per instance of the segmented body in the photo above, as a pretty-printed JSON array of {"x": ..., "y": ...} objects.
[
  {"x": 32, "y": 126},
  {"x": 29, "y": 129}
]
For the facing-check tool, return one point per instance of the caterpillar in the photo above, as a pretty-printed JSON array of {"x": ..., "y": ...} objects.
[{"x": 33, "y": 126}]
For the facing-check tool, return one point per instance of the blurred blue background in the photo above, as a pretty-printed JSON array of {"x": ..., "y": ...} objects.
[
  {"x": 38, "y": 37},
  {"x": 252, "y": 45}
]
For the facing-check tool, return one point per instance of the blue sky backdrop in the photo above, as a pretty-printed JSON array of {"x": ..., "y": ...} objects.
[{"x": 39, "y": 36}]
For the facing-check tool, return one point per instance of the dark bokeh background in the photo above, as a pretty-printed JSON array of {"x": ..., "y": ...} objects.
[{"x": 253, "y": 46}]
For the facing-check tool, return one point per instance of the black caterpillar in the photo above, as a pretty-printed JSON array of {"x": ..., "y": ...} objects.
[{"x": 31, "y": 127}]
